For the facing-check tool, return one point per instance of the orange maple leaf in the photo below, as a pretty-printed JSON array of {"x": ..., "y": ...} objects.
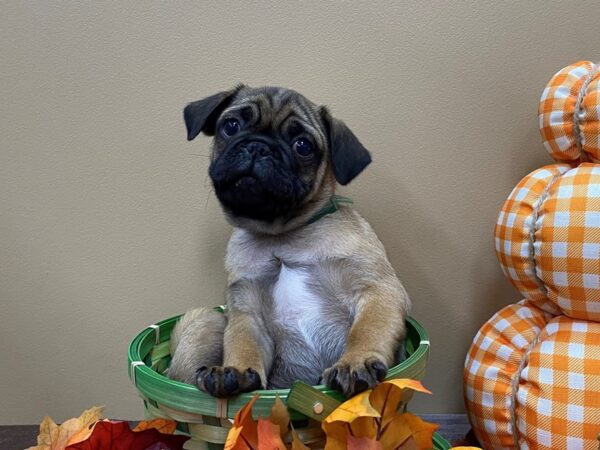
[
  {"x": 243, "y": 435},
  {"x": 269, "y": 437},
  {"x": 374, "y": 416},
  {"x": 266, "y": 434},
  {"x": 165, "y": 426}
]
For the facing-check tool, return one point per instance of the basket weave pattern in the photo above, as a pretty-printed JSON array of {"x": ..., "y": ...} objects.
[{"x": 206, "y": 419}]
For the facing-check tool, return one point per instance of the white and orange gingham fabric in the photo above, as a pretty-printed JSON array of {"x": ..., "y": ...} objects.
[
  {"x": 532, "y": 381},
  {"x": 532, "y": 374},
  {"x": 569, "y": 114},
  {"x": 547, "y": 239}
]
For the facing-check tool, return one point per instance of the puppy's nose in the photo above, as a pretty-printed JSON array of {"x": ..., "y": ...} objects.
[{"x": 259, "y": 148}]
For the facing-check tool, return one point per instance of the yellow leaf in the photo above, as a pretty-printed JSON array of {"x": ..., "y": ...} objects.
[
  {"x": 268, "y": 436},
  {"x": 297, "y": 443},
  {"x": 280, "y": 416},
  {"x": 364, "y": 427},
  {"x": 57, "y": 437},
  {"x": 410, "y": 444},
  {"x": 387, "y": 396},
  {"x": 404, "y": 383},
  {"x": 396, "y": 432},
  {"x": 337, "y": 436},
  {"x": 234, "y": 440},
  {"x": 243, "y": 434},
  {"x": 422, "y": 431},
  {"x": 373, "y": 416},
  {"x": 357, "y": 406},
  {"x": 465, "y": 448},
  {"x": 165, "y": 426},
  {"x": 48, "y": 434},
  {"x": 337, "y": 425}
]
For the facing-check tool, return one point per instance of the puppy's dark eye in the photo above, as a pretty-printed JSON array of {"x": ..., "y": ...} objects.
[
  {"x": 303, "y": 147},
  {"x": 231, "y": 127}
]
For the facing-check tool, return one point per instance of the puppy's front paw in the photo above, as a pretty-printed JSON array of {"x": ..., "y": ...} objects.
[
  {"x": 354, "y": 377},
  {"x": 227, "y": 381}
]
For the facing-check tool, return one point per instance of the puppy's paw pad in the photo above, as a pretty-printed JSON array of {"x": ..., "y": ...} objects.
[
  {"x": 227, "y": 381},
  {"x": 377, "y": 368},
  {"x": 353, "y": 378},
  {"x": 230, "y": 380}
]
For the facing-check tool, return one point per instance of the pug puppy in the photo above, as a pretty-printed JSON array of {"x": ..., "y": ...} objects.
[{"x": 311, "y": 294}]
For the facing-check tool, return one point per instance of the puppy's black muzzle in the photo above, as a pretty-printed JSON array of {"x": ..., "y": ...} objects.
[
  {"x": 244, "y": 158},
  {"x": 253, "y": 178},
  {"x": 257, "y": 149}
]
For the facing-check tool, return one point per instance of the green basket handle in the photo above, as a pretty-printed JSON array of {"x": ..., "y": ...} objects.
[{"x": 309, "y": 401}]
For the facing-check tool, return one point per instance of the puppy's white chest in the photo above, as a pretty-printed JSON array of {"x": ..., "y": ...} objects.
[{"x": 295, "y": 305}]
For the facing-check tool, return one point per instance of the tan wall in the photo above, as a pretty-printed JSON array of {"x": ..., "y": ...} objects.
[{"x": 107, "y": 219}]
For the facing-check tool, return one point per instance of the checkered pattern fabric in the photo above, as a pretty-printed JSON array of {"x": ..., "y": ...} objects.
[
  {"x": 537, "y": 371},
  {"x": 532, "y": 374},
  {"x": 513, "y": 234},
  {"x": 562, "y": 123},
  {"x": 548, "y": 239},
  {"x": 491, "y": 364}
]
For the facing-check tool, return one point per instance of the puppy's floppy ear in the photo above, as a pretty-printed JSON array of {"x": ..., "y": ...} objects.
[
  {"x": 348, "y": 156},
  {"x": 202, "y": 115}
]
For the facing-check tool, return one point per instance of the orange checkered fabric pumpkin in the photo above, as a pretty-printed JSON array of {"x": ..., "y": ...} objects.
[
  {"x": 569, "y": 114},
  {"x": 532, "y": 374},
  {"x": 532, "y": 381},
  {"x": 548, "y": 239}
]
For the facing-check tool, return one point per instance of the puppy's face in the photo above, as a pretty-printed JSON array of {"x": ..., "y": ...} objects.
[
  {"x": 273, "y": 152},
  {"x": 268, "y": 147}
]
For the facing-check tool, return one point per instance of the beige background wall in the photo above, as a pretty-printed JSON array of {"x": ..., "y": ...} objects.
[{"x": 107, "y": 219}]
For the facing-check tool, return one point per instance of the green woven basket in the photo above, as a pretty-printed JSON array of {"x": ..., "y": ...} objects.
[{"x": 206, "y": 419}]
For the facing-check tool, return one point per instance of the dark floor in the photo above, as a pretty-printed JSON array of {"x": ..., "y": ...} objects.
[{"x": 18, "y": 437}]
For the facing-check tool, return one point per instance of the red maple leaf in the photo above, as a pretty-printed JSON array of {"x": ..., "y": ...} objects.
[{"x": 118, "y": 436}]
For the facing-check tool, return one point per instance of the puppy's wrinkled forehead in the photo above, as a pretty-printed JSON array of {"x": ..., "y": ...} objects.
[{"x": 277, "y": 109}]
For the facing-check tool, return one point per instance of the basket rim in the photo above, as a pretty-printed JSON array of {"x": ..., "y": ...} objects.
[{"x": 186, "y": 397}]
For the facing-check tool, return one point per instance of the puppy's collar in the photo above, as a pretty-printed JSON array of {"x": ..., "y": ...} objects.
[{"x": 330, "y": 207}]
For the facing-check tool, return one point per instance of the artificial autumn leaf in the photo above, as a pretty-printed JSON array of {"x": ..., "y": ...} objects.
[
  {"x": 269, "y": 437},
  {"x": 405, "y": 427},
  {"x": 297, "y": 444},
  {"x": 266, "y": 433},
  {"x": 409, "y": 444},
  {"x": 49, "y": 436},
  {"x": 387, "y": 396},
  {"x": 163, "y": 425},
  {"x": 280, "y": 416},
  {"x": 84, "y": 433},
  {"x": 396, "y": 433},
  {"x": 361, "y": 443},
  {"x": 243, "y": 435},
  {"x": 355, "y": 416},
  {"x": 57, "y": 437},
  {"x": 374, "y": 415},
  {"x": 118, "y": 436},
  {"x": 422, "y": 431},
  {"x": 235, "y": 441}
]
